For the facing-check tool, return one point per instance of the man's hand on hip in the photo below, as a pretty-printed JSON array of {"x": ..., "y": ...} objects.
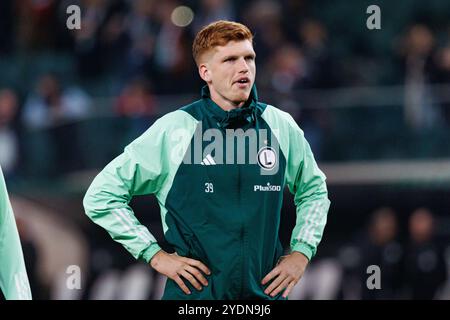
[
  {"x": 286, "y": 274},
  {"x": 174, "y": 267}
]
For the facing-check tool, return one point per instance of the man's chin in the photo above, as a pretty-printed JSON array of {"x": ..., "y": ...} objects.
[{"x": 243, "y": 97}]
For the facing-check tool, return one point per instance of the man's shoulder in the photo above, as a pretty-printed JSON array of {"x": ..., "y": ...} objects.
[
  {"x": 168, "y": 128},
  {"x": 276, "y": 116},
  {"x": 175, "y": 119},
  {"x": 194, "y": 109}
]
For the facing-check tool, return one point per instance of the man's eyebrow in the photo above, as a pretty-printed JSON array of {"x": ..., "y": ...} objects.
[
  {"x": 230, "y": 57},
  {"x": 236, "y": 56}
]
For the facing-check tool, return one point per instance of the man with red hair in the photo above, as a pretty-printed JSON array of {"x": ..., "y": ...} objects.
[{"x": 220, "y": 202}]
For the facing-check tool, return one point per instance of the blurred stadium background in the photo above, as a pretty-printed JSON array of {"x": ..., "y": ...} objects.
[{"x": 374, "y": 105}]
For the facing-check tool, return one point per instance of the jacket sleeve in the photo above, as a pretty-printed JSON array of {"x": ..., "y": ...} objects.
[
  {"x": 139, "y": 170},
  {"x": 307, "y": 182},
  {"x": 13, "y": 275}
]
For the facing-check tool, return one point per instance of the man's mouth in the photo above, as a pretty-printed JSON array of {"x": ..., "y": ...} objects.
[{"x": 242, "y": 82}]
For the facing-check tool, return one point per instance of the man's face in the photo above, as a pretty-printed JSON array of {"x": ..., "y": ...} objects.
[{"x": 230, "y": 72}]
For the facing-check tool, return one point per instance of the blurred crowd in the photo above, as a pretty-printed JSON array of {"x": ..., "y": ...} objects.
[
  {"x": 415, "y": 268},
  {"x": 71, "y": 99},
  {"x": 133, "y": 52},
  {"x": 299, "y": 43}
]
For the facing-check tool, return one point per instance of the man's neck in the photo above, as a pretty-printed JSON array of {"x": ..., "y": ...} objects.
[{"x": 225, "y": 104}]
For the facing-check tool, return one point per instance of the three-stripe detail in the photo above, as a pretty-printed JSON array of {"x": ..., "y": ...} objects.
[
  {"x": 123, "y": 218},
  {"x": 208, "y": 161},
  {"x": 313, "y": 220},
  {"x": 22, "y": 286}
]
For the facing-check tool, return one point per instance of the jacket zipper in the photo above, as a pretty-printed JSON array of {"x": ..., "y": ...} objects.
[{"x": 243, "y": 236}]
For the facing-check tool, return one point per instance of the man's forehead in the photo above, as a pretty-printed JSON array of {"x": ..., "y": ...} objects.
[
  {"x": 235, "y": 47},
  {"x": 232, "y": 48}
]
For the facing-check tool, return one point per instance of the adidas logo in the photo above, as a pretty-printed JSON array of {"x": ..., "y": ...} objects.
[{"x": 208, "y": 161}]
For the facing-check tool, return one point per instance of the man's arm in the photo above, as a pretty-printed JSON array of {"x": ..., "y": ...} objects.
[
  {"x": 143, "y": 168},
  {"x": 138, "y": 170},
  {"x": 307, "y": 182},
  {"x": 13, "y": 275}
]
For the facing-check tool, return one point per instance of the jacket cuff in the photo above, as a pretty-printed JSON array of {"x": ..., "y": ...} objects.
[
  {"x": 303, "y": 248},
  {"x": 148, "y": 253}
]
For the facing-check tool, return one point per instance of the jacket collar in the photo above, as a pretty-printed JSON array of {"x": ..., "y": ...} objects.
[
  {"x": 236, "y": 117},
  {"x": 253, "y": 93}
]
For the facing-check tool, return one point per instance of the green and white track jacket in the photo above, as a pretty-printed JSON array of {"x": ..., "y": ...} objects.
[{"x": 219, "y": 178}]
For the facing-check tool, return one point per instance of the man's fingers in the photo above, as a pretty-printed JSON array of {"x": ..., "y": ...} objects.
[
  {"x": 288, "y": 289},
  {"x": 181, "y": 284},
  {"x": 196, "y": 273},
  {"x": 270, "y": 275},
  {"x": 191, "y": 279},
  {"x": 275, "y": 283},
  {"x": 283, "y": 285},
  {"x": 198, "y": 264}
]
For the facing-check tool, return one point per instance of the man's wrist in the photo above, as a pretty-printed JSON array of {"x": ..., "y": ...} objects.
[
  {"x": 300, "y": 255},
  {"x": 150, "y": 252},
  {"x": 304, "y": 249},
  {"x": 155, "y": 259}
]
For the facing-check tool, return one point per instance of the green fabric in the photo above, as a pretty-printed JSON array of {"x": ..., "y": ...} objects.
[
  {"x": 304, "y": 179},
  {"x": 146, "y": 166},
  {"x": 232, "y": 228},
  {"x": 214, "y": 208},
  {"x": 13, "y": 275}
]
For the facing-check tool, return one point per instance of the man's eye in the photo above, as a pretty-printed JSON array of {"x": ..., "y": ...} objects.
[
  {"x": 250, "y": 58},
  {"x": 229, "y": 59}
]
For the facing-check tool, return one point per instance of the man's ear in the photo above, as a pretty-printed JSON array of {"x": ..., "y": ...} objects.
[{"x": 203, "y": 70}]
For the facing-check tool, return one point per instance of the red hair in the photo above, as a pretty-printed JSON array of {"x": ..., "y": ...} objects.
[{"x": 219, "y": 33}]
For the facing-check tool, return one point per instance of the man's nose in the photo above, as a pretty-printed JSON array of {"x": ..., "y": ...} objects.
[{"x": 243, "y": 66}]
